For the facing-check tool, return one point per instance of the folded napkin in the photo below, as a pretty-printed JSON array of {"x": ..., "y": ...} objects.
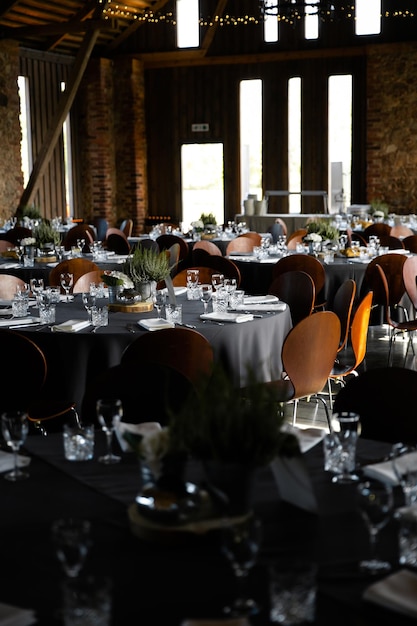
[
  {"x": 20, "y": 321},
  {"x": 10, "y": 266},
  {"x": 227, "y": 317},
  {"x": 145, "y": 428},
  {"x": 278, "y": 306},
  {"x": 260, "y": 299},
  {"x": 179, "y": 291},
  {"x": 307, "y": 437},
  {"x": 13, "y": 616},
  {"x": 155, "y": 324},
  {"x": 7, "y": 464},
  {"x": 71, "y": 326},
  {"x": 397, "y": 592},
  {"x": 385, "y": 472},
  {"x": 6, "y": 311}
]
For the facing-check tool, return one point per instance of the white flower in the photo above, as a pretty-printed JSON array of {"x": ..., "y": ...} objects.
[
  {"x": 314, "y": 237},
  {"x": 126, "y": 282},
  {"x": 28, "y": 241},
  {"x": 197, "y": 224},
  {"x": 153, "y": 448},
  {"x": 379, "y": 214}
]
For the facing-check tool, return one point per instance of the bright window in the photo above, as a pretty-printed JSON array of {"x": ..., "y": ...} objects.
[
  {"x": 24, "y": 116},
  {"x": 294, "y": 143},
  {"x": 251, "y": 138},
  {"x": 311, "y": 20},
  {"x": 271, "y": 22},
  {"x": 69, "y": 189},
  {"x": 340, "y": 141},
  {"x": 188, "y": 32},
  {"x": 367, "y": 17}
]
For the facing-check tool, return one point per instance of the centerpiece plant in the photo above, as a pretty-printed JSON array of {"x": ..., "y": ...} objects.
[
  {"x": 147, "y": 267},
  {"x": 46, "y": 236}
]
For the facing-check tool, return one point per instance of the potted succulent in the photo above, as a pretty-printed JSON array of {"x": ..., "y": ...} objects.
[
  {"x": 46, "y": 238},
  {"x": 147, "y": 267}
]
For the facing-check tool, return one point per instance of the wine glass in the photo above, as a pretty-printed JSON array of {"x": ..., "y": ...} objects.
[
  {"x": 240, "y": 545},
  {"x": 375, "y": 501},
  {"x": 36, "y": 286},
  {"x": 159, "y": 300},
  {"x": 404, "y": 464},
  {"x": 108, "y": 411},
  {"x": 206, "y": 292},
  {"x": 217, "y": 280},
  {"x": 89, "y": 300},
  {"x": 67, "y": 281},
  {"x": 71, "y": 538},
  {"x": 20, "y": 251},
  {"x": 14, "y": 428}
]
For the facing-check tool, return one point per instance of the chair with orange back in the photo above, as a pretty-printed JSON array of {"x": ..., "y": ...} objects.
[
  {"x": 392, "y": 265},
  {"x": 296, "y": 237},
  {"x": 205, "y": 274},
  {"x": 8, "y": 286},
  {"x": 77, "y": 267},
  {"x": 399, "y": 230},
  {"x": 377, "y": 229},
  {"x": 240, "y": 244},
  {"x": 308, "y": 264},
  {"x": 82, "y": 284},
  {"x": 80, "y": 231},
  {"x": 343, "y": 306},
  {"x": 254, "y": 236},
  {"x": 126, "y": 227}
]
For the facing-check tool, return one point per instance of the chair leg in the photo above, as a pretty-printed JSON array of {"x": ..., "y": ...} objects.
[
  {"x": 329, "y": 422},
  {"x": 294, "y": 412}
]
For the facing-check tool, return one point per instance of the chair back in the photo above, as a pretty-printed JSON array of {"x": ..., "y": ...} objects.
[
  {"x": 180, "y": 348},
  {"x": 391, "y": 242},
  {"x": 296, "y": 237},
  {"x": 166, "y": 241},
  {"x": 410, "y": 279},
  {"x": 377, "y": 229},
  {"x": 343, "y": 306},
  {"x": 224, "y": 266},
  {"x": 149, "y": 244},
  {"x": 101, "y": 225},
  {"x": 83, "y": 283},
  {"x": 297, "y": 289},
  {"x": 382, "y": 397},
  {"x": 309, "y": 352},
  {"x": 205, "y": 274},
  {"x": 399, "y": 230},
  {"x": 303, "y": 263},
  {"x": 81, "y": 231},
  {"x": 8, "y": 284},
  {"x": 359, "y": 330},
  {"x": 77, "y": 267},
  {"x": 410, "y": 243},
  {"x": 127, "y": 227},
  {"x": 5, "y": 245},
  {"x": 207, "y": 246},
  {"x": 240, "y": 244},
  {"x": 253, "y": 236},
  {"x": 392, "y": 265},
  {"x": 17, "y": 233},
  {"x": 117, "y": 243}
]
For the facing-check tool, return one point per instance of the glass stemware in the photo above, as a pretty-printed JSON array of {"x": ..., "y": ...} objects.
[
  {"x": 71, "y": 538},
  {"x": 108, "y": 411},
  {"x": 89, "y": 300},
  {"x": 217, "y": 280},
  {"x": 67, "y": 281},
  {"x": 14, "y": 428},
  {"x": 159, "y": 301},
  {"x": 404, "y": 464},
  {"x": 20, "y": 251},
  {"x": 241, "y": 543},
  {"x": 206, "y": 292},
  {"x": 375, "y": 501},
  {"x": 36, "y": 286}
]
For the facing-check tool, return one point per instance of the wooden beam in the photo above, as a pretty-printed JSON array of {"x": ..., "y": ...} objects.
[
  {"x": 209, "y": 36},
  {"x": 59, "y": 28},
  {"x": 67, "y": 99},
  {"x": 6, "y": 5},
  {"x": 157, "y": 6}
]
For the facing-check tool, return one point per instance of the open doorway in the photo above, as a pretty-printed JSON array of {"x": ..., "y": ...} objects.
[{"x": 202, "y": 182}]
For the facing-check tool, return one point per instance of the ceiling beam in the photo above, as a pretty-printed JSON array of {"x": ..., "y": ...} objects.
[
  {"x": 58, "y": 28},
  {"x": 156, "y": 6},
  {"x": 209, "y": 36},
  {"x": 6, "y": 5},
  {"x": 60, "y": 116}
]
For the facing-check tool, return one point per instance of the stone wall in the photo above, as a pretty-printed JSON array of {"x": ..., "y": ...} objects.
[
  {"x": 11, "y": 177},
  {"x": 392, "y": 126}
]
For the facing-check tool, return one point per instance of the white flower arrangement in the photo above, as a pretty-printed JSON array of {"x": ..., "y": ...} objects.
[
  {"x": 28, "y": 241},
  {"x": 114, "y": 278},
  {"x": 313, "y": 237},
  {"x": 198, "y": 225},
  {"x": 153, "y": 447},
  {"x": 378, "y": 214}
]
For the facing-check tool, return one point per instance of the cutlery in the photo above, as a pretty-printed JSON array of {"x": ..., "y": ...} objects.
[
  {"x": 27, "y": 325},
  {"x": 186, "y": 325},
  {"x": 213, "y": 322},
  {"x": 131, "y": 328}
]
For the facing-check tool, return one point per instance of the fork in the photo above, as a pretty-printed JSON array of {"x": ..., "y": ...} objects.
[{"x": 131, "y": 328}]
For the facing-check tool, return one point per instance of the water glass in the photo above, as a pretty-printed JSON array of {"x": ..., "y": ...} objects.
[
  {"x": 292, "y": 593},
  {"x": 407, "y": 535},
  {"x": 100, "y": 316},
  {"x": 173, "y": 312},
  {"x": 20, "y": 306},
  {"x": 332, "y": 450},
  {"x": 348, "y": 436},
  {"x": 237, "y": 298},
  {"x": 87, "y": 601},
  {"x": 47, "y": 313},
  {"x": 78, "y": 442},
  {"x": 220, "y": 301},
  {"x": 54, "y": 294},
  {"x": 28, "y": 261}
]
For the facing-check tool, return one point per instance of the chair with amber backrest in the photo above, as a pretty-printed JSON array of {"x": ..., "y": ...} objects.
[
  {"x": 254, "y": 236},
  {"x": 205, "y": 274},
  {"x": 391, "y": 242},
  {"x": 410, "y": 280},
  {"x": 358, "y": 337},
  {"x": 392, "y": 264},
  {"x": 27, "y": 358},
  {"x": 181, "y": 348},
  {"x": 83, "y": 283},
  {"x": 308, "y": 356},
  {"x": 166, "y": 241},
  {"x": 396, "y": 328},
  {"x": 377, "y": 229},
  {"x": 399, "y": 230},
  {"x": 80, "y": 231},
  {"x": 77, "y": 267},
  {"x": 207, "y": 246},
  {"x": 240, "y": 244},
  {"x": 8, "y": 285},
  {"x": 5, "y": 245},
  {"x": 17, "y": 233},
  {"x": 297, "y": 290},
  {"x": 382, "y": 397},
  {"x": 127, "y": 227},
  {"x": 308, "y": 264},
  {"x": 410, "y": 243},
  {"x": 343, "y": 306},
  {"x": 222, "y": 265},
  {"x": 296, "y": 237}
]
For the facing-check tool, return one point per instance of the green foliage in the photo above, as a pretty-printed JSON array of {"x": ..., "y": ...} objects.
[
  {"x": 219, "y": 423},
  {"x": 208, "y": 219},
  {"x": 324, "y": 229},
  {"x": 44, "y": 233},
  {"x": 147, "y": 264},
  {"x": 31, "y": 212},
  {"x": 379, "y": 205}
]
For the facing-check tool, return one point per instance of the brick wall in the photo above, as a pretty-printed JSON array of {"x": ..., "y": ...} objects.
[
  {"x": 11, "y": 178},
  {"x": 392, "y": 126}
]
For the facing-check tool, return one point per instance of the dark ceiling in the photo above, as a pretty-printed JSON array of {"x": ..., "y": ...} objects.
[{"x": 60, "y": 26}]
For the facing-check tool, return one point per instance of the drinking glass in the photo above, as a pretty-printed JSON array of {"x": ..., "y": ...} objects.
[
  {"x": 159, "y": 300},
  {"x": 71, "y": 538},
  {"x": 60, "y": 251},
  {"x": 108, "y": 411},
  {"x": 89, "y": 300},
  {"x": 347, "y": 437},
  {"x": 240, "y": 545},
  {"x": 20, "y": 251},
  {"x": 206, "y": 292},
  {"x": 375, "y": 502},
  {"x": 67, "y": 281},
  {"x": 36, "y": 285},
  {"x": 217, "y": 280},
  {"x": 404, "y": 464},
  {"x": 14, "y": 428}
]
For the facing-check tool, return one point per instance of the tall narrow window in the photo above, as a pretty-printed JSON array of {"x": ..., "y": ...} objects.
[
  {"x": 251, "y": 138},
  {"x": 69, "y": 189},
  {"x": 24, "y": 117},
  {"x": 367, "y": 17},
  {"x": 311, "y": 20},
  {"x": 340, "y": 141},
  {"x": 188, "y": 32},
  {"x": 294, "y": 144},
  {"x": 271, "y": 21}
]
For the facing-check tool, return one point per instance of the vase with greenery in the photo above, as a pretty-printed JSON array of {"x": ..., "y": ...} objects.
[
  {"x": 147, "y": 267},
  {"x": 46, "y": 237}
]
